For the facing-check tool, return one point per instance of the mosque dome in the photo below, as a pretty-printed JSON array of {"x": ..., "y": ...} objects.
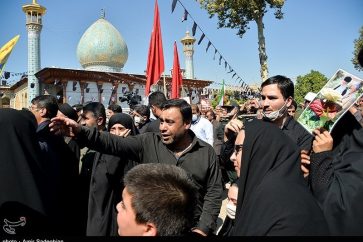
[{"x": 102, "y": 48}]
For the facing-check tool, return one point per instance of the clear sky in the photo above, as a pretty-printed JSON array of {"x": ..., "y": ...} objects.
[{"x": 313, "y": 35}]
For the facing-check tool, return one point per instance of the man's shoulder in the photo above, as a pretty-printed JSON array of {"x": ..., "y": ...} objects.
[
  {"x": 296, "y": 126},
  {"x": 153, "y": 126},
  {"x": 205, "y": 121},
  {"x": 202, "y": 146}
]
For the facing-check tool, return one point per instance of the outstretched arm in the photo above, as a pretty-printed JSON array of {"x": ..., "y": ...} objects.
[{"x": 103, "y": 142}]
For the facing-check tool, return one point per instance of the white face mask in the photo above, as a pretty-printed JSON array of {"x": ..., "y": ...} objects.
[
  {"x": 275, "y": 114},
  {"x": 231, "y": 210},
  {"x": 137, "y": 120},
  {"x": 194, "y": 117}
]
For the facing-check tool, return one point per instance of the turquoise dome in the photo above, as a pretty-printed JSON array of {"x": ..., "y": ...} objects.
[{"x": 102, "y": 48}]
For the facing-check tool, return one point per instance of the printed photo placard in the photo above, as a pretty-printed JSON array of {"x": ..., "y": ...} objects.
[{"x": 332, "y": 102}]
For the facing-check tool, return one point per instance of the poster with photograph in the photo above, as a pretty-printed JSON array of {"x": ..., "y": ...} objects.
[{"x": 332, "y": 102}]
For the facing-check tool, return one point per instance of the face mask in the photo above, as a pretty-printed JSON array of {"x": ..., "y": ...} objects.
[
  {"x": 275, "y": 114},
  {"x": 231, "y": 210},
  {"x": 194, "y": 117},
  {"x": 137, "y": 120}
]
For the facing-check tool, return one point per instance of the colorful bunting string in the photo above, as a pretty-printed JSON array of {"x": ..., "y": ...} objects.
[{"x": 209, "y": 44}]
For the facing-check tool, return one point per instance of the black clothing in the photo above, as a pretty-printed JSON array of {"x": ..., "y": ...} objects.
[
  {"x": 106, "y": 185},
  {"x": 61, "y": 167},
  {"x": 336, "y": 179},
  {"x": 272, "y": 196},
  {"x": 199, "y": 161},
  {"x": 226, "y": 227},
  {"x": 74, "y": 148},
  {"x": 105, "y": 193},
  {"x": 22, "y": 175},
  {"x": 297, "y": 133},
  {"x": 230, "y": 174},
  {"x": 154, "y": 126},
  {"x": 143, "y": 127},
  {"x": 217, "y": 136},
  {"x": 84, "y": 180}
]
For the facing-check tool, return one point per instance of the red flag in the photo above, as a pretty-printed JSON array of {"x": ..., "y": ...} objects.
[
  {"x": 155, "y": 59},
  {"x": 177, "y": 77}
]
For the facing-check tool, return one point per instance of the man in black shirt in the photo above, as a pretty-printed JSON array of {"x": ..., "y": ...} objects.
[
  {"x": 175, "y": 144},
  {"x": 277, "y": 94},
  {"x": 155, "y": 101}
]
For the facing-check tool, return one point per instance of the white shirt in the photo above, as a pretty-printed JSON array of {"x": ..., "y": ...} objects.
[{"x": 203, "y": 129}]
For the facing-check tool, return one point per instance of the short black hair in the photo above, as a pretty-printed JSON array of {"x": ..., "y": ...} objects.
[
  {"x": 162, "y": 194},
  {"x": 347, "y": 79},
  {"x": 97, "y": 109},
  {"x": 184, "y": 107},
  {"x": 143, "y": 110},
  {"x": 115, "y": 108},
  {"x": 285, "y": 85},
  {"x": 212, "y": 113},
  {"x": 196, "y": 107},
  {"x": 78, "y": 107},
  {"x": 156, "y": 99},
  {"x": 48, "y": 102}
]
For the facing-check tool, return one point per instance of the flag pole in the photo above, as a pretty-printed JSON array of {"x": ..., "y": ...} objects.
[{"x": 164, "y": 84}]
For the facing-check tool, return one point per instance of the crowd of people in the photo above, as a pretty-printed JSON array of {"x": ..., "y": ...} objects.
[{"x": 90, "y": 171}]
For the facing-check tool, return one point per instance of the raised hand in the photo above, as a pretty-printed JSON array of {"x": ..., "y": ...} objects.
[
  {"x": 323, "y": 141},
  {"x": 232, "y": 128},
  {"x": 64, "y": 126}
]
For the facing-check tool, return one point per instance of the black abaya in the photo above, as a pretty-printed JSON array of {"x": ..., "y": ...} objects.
[
  {"x": 273, "y": 198},
  {"x": 106, "y": 185},
  {"x": 336, "y": 179},
  {"x": 22, "y": 175}
]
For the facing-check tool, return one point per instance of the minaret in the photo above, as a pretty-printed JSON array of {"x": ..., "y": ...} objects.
[
  {"x": 34, "y": 13},
  {"x": 188, "y": 49}
]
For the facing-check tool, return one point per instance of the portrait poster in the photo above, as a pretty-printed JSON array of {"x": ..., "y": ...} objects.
[{"x": 332, "y": 102}]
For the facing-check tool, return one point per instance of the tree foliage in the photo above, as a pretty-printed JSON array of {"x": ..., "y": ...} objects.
[
  {"x": 358, "y": 45},
  {"x": 311, "y": 82},
  {"x": 236, "y": 14}
]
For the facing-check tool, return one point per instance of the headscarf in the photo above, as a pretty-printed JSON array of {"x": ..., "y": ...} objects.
[
  {"x": 68, "y": 111},
  {"x": 21, "y": 172},
  {"x": 123, "y": 119},
  {"x": 272, "y": 196}
]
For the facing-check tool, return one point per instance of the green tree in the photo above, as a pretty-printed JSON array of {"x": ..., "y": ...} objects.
[
  {"x": 311, "y": 82},
  {"x": 236, "y": 14},
  {"x": 358, "y": 45}
]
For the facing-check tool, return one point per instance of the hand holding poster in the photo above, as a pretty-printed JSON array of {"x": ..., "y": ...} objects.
[{"x": 332, "y": 102}]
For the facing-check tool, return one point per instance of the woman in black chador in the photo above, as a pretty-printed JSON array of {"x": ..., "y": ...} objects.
[
  {"x": 336, "y": 176},
  {"x": 23, "y": 191},
  {"x": 273, "y": 198},
  {"x": 106, "y": 182}
]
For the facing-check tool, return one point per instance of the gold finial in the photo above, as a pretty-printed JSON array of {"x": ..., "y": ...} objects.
[
  {"x": 103, "y": 14},
  {"x": 35, "y": 2}
]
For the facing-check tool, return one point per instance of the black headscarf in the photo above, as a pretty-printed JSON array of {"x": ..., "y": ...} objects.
[
  {"x": 68, "y": 111},
  {"x": 125, "y": 120},
  {"x": 21, "y": 173},
  {"x": 273, "y": 198}
]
